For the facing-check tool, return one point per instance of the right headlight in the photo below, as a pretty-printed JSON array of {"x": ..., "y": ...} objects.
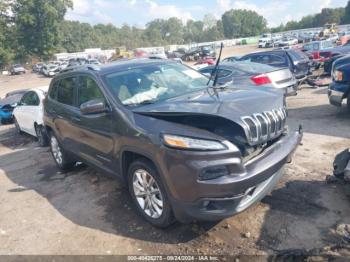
[{"x": 182, "y": 142}]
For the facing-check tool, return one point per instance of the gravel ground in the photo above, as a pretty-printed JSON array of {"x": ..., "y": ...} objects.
[{"x": 84, "y": 212}]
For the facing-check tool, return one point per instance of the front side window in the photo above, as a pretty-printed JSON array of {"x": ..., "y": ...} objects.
[
  {"x": 25, "y": 99},
  {"x": 66, "y": 90},
  {"x": 30, "y": 99},
  {"x": 153, "y": 83},
  {"x": 88, "y": 90}
]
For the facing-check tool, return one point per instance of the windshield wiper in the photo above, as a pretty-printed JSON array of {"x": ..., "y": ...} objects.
[{"x": 215, "y": 71}]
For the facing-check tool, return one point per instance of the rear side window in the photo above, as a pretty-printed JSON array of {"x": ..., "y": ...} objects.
[
  {"x": 296, "y": 55},
  {"x": 224, "y": 73},
  {"x": 66, "y": 90},
  {"x": 88, "y": 90},
  {"x": 262, "y": 59},
  {"x": 30, "y": 99}
]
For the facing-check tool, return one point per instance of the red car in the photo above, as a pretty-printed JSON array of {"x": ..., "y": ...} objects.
[{"x": 206, "y": 60}]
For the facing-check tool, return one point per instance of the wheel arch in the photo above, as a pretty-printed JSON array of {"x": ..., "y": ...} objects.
[{"x": 128, "y": 156}]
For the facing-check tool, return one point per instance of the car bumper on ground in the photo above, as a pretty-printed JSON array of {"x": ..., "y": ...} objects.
[
  {"x": 336, "y": 93},
  {"x": 225, "y": 196}
]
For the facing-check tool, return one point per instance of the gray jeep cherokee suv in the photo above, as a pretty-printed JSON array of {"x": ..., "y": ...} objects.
[{"x": 185, "y": 150}]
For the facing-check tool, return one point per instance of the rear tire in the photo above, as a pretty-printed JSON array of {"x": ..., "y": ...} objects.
[
  {"x": 41, "y": 135},
  {"x": 348, "y": 102},
  {"x": 148, "y": 194},
  {"x": 62, "y": 159}
]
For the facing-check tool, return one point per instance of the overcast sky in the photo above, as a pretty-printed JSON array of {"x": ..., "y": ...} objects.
[{"x": 139, "y": 12}]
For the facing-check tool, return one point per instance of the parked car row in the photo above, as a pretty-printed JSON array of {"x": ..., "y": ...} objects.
[
  {"x": 187, "y": 148},
  {"x": 52, "y": 68},
  {"x": 282, "y": 69}
]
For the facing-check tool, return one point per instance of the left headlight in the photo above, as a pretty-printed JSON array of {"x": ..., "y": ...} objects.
[{"x": 189, "y": 143}]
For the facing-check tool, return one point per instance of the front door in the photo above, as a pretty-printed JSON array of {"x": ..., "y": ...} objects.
[{"x": 96, "y": 141}]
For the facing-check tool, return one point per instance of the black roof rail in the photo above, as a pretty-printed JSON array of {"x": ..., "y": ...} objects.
[{"x": 86, "y": 66}]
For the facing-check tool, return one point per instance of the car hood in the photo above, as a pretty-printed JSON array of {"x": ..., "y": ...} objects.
[
  {"x": 230, "y": 103},
  {"x": 342, "y": 61},
  {"x": 10, "y": 100},
  {"x": 340, "y": 49}
]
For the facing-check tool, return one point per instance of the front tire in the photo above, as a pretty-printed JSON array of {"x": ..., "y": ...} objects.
[
  {"x": 59, "y": 155},
  {"x": 4, "y": 121},
  {"x": 148, "y": 194},
  {"x": 18, "y": 129},
  {"x": 41, "y": 135}
]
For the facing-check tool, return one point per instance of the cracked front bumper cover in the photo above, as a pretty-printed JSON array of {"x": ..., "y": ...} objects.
[{"x": 241, "y": 192}]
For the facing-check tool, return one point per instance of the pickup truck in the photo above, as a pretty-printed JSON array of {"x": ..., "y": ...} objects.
[{"x": 339, "y": 89}]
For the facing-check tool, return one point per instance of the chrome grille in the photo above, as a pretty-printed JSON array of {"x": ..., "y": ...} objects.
[{"x": 262, "y": 127}]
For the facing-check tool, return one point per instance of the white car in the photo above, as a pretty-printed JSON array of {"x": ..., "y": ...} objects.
[
  {"x": 94, "y": 62},
  {"x": 51, "y": 70},
  {"x": 28, "y": 115}
]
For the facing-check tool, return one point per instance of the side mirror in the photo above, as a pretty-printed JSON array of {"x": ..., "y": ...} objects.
[{"x": 96, "y": 106}]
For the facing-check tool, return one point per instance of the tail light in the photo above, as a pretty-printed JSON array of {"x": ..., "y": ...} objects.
[{"x": 261, "y": 80}]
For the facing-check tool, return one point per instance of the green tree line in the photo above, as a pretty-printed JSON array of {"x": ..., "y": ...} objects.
[
  {"x": 339, "y": 15},
  {"x": 37, "y": 29}
]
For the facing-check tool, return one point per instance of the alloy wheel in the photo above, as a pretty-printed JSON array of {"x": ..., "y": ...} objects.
[
  {"x": 147, "y": 193},
  {"x": 56, "y": 150}
]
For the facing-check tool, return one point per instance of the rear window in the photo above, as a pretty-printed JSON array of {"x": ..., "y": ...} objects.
[
  {"x": 296, "y": 55},
  {"x": 327, "y": 44},
  {"x": 252, "y": 68}
]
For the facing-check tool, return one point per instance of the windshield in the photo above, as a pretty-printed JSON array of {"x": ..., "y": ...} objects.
[
  {"x": 153, "y": 83},
  {"x": 312, "y": 46}
]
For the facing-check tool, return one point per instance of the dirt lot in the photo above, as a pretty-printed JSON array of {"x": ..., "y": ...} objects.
[{"x": 83, "y": 212}]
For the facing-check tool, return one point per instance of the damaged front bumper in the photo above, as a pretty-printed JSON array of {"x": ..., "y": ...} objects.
[
  {"x": 225, "y": 196},
  {"x": 336, "y": 93}
]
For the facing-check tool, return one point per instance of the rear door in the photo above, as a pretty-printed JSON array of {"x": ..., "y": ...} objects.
[
  {"x": 95, "y": 138},
  {"x": 64, "y": 110}
]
